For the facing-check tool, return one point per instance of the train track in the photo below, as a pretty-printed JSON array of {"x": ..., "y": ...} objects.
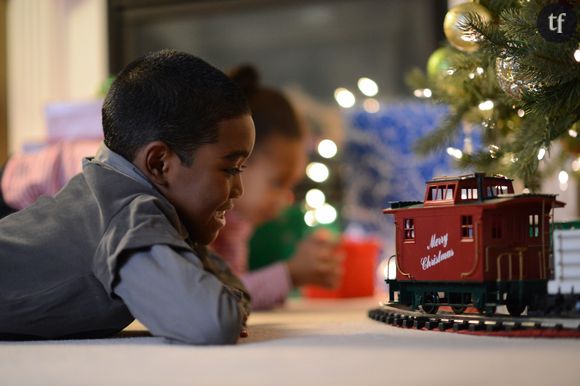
[{"x": 503, "y": 325}]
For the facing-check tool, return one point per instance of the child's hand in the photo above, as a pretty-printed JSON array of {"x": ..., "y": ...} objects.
[{"x": 317, "y": 261}]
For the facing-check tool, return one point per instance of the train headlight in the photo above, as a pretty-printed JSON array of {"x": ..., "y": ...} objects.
[
  {"x": 388, "y": 269},
  {"x": 392, "y": 269}
]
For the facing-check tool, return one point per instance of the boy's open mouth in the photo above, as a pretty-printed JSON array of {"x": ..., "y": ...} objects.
[{"x": 220, "y": 216}]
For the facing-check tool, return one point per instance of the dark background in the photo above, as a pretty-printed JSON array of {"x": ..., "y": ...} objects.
[{"x": 318, "y": 45}]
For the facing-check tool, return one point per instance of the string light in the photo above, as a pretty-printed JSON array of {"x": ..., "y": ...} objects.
[
  {"x": 315, "y": 198},
  {"x": 317, "y": 172},
  {"x": 493, "y": 149},
  {"x": 368, "y": 87},
  {"x": 563, "y": 178},
  {"x": 572, "y": 133},
  {"x": 577, "y": 55},
  {"x": 327, "y": 148},
  {"x": 576, "y": 164},
  {"x": 486, "y": 105},
  {"x": 344, "y": 98},
  {"x": 541, "y": 153},
  {"x": 423, "y": 93},
  {"x": 521, "y": 113},
  {"x": 309, "y": 218},
  {"x": 454, "y": 152},
  {"x": 326, "y": 214}
]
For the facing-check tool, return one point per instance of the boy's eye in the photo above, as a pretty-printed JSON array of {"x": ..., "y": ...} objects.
[{"x": 234, "y": 171}]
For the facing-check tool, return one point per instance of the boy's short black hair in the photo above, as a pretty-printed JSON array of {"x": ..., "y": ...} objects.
[{"x": 169, "y": 96}]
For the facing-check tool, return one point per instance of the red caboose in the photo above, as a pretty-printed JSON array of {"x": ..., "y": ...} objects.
[{"x": 472, "y": 241}]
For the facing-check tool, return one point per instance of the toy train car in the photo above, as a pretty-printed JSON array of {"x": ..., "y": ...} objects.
[
  {"x": 563, "y": 297},
  {"x": 473, "y": 242}
]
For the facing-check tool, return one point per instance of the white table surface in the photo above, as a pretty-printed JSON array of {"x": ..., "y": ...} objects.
[{"x": 308, "y": 342}]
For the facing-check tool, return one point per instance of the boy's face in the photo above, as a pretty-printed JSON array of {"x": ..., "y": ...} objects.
[
  {"x": 204, "y": 191},
  {"x": 271, "y": 176}
]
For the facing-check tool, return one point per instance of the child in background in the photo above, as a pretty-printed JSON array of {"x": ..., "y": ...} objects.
[
  {"x": 126, "y": 237},
  {"x": 277, "y": 165},
  {"x": 28, "y": 176}
]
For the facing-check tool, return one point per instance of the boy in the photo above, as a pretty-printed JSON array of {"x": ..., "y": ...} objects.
[{"x": 125, "y": 238}]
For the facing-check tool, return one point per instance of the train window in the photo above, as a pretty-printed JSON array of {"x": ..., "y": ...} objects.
[
  {"x": 468, "y": 193},
  {"x": 466, "y": 227},
  {"x": 432, "y": 193},
  {"x": 493, "y": 191},
  {"x": 534, "y": 230},
  {"x": 449, "y": 194},
  {"x": 441, "y": 192},
  {"x": 409, "y": 229}
]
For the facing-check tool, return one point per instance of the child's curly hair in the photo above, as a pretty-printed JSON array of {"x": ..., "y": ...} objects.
[{"x": 272, "y": 112}]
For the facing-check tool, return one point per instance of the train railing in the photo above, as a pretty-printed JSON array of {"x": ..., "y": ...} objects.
[
  {"x": 509, "y": 255},
  {"x": 515, "y": 259}
]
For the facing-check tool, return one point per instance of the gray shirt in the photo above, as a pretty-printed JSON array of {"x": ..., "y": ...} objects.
[
  {"x": 104, "y": 249},
  {"x": 169, "y": 291}
]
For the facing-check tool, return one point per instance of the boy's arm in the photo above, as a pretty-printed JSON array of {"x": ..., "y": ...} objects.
[
  {"x": 175, "y": 297},
  {"x": 215, "y": 264}
]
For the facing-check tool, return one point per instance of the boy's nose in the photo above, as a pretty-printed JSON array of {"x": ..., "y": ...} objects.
[{"x": 237, "y": 188}]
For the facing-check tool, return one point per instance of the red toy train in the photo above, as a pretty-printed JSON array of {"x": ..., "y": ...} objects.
[{"x": 473, "y": 242}]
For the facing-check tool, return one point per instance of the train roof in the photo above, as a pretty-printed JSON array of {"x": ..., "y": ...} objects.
[
  {"x": 498, "y": 201},
  {"x": 467, "y": 177}
]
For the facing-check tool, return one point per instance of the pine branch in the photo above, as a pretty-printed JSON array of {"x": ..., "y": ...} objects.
[
  {"x": 547, "y": 89},
  {"x": 443, "y": 136}
]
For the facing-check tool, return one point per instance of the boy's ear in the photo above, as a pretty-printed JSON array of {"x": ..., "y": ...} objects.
[{"x": 154, "y": 161}]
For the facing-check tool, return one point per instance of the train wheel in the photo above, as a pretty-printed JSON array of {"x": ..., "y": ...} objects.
[
  {"x": 430, "y": 297},
  {"x": 514, "y": 306},
  {"x": 458, "y": 309},
  {"x": 487, "y": 310},
  {"x": 457, "y": 298}
]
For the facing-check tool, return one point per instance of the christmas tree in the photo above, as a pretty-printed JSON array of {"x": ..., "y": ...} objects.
[{"x": 512, "y": 70}]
